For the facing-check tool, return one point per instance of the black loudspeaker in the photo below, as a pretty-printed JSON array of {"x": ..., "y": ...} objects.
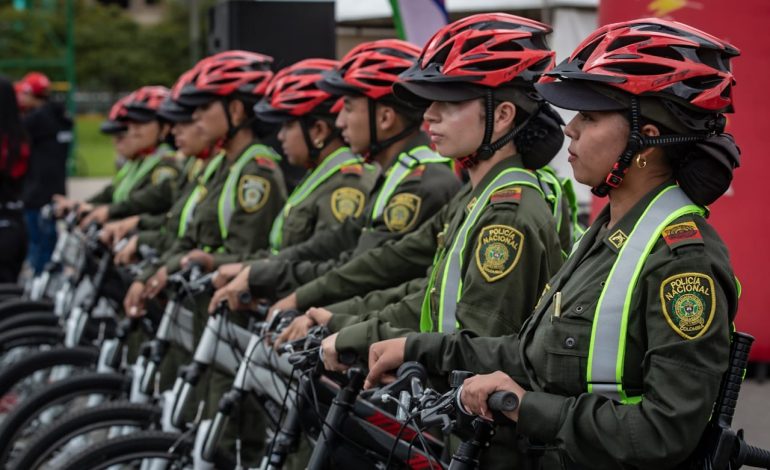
[{"x": 288, "y": 31}]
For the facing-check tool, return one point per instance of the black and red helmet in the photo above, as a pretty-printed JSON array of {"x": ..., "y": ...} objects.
[
  {"x": 294, "y": 93},
  {"x": 647, "y": 57},
  {"x": 144, "y": 104},
  {"x": 115, "y": 122},
  {"x": 489, "y": 50},
  {"x": 170, "y": 109},
  {"x": 370, "y": 69},
  {"x": 237, "y": 74},
  {"x": 662, "y": 70}
]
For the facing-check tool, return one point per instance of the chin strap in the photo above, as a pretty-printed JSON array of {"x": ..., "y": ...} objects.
[
  {"x": 636, "y": 143},
  {"x": 233, "y": 129},
  {"x": 377, "y": 146},
  {"x": 487, "y": 147}
]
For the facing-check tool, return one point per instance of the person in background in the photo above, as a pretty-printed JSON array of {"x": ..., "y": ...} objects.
[{"x": 14, "y": 158}]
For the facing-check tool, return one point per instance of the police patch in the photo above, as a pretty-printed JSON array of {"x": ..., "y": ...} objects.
[
  {"x": 253, "y": 192},
  {"x": 618, "y": 238},
  {"x": 347, "y": 202},
  {"x": 688, "y": 301},
  {"x": 498, "y": 251},
  {"x": 162, "y": 174},
  {"x": 401, "y": 212}
]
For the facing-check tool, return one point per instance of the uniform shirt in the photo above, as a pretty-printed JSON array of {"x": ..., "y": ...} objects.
[
  {"x": 419, "y": 195},
  {"x": 677, "y": 372},
  {"x": 510, "y": 253},
  {"x": 260, "y": 194},
  {"x": 153, "y": 193}
]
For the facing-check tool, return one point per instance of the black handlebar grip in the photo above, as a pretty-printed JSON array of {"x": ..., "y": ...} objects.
[
  {"x": 347, "y": 357},
  {"x": 503, "y": 401},
  {"x": 733, "y": 378},
  {"x": 244, "y": 297}
]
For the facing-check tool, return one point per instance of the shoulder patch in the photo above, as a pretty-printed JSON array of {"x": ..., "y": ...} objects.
[
  {"x": 163, "y": 173},
  {"x": 682, "y": 233},
  {"x": 355, "y": 169},
  {"x": 498, "y": 251},
  {"x": 417, "y": 172},
  {"x": 195, "y": 169},
  {"x": 401, "y": 212},
  {"x": 506, "y": 195},
  {"x": 253, "y": 192},
  {"x": 347, "y": 202},
  {"x": 688, "y": 301},
  {"x": 265, "y": 162}
]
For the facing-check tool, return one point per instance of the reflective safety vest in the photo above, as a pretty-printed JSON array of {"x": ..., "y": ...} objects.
[
  {"x": 328, "y": 168},
  {"x": 133, "y": 171},
  {"x": 451, "y": 279},
  {"x": 403, "y": 165},
  {"x": 188, "y": 210},
  {"x": 606, "y": 352},
  {"x": 227, "y": 197}
]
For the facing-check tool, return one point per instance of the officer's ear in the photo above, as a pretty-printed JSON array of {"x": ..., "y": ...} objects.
[
  {"x": 237, "y": 111},
  {"x": 387, "y": 118},
  {"x": 321, "y": 130}
]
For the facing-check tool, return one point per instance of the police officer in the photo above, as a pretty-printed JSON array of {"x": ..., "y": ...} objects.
[
  {"x": 147, "y": 182},
  {"x": 620, "y": 364},
  {"x": 414, "y": 183}
]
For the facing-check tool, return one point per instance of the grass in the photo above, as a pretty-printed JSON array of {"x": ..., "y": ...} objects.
[{"x": 94, "y": 154}]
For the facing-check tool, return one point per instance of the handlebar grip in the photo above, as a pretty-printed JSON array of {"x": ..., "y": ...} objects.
[
  {"x": 752, "y": 456},
  {"x": 244, "y": 297},
  {"x": 503, "y": 401},
  {"x": 347, "y": 357}
]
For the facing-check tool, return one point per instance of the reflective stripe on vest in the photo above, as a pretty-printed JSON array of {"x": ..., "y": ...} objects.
[
  {"x": 329, "y": 167},
  {"x": 137, "y": 172},
  {"x": 227, "y": 196},
  {"x": 185, "y": 218},
  {"x": 398, "y": 171},
  {"x": 451, "y": 280},
  {"x": 606, "y": 353}
]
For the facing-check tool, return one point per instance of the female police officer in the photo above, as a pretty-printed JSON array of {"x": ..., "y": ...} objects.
[{"x": 621, "y": 361}]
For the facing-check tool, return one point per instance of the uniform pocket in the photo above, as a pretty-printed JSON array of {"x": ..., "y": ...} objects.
[{"x": 566, "y": 345}]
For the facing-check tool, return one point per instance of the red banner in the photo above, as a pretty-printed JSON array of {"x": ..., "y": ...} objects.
[{"x": 740, "y": 216}]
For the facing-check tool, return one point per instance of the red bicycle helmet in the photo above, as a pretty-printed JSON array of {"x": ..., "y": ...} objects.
[
  {"x": 144, "y": 103},
  {"x": 114, "y": 123},
  {"x": 491, "y": 56},
  {"x": 238, "y": 74},
  {"x": 666, "y": 71},
  {"x": 293, "y": 92},
  {"x": 36, "y": 83}
]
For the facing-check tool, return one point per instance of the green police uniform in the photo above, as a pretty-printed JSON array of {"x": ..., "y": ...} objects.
[
  {"x": 147, "y": 185},
  {"x": 635, "y": 388},
  {"x": 336, "y": 189},
  {"x": 416, "y": 185},
  {"x": 493, "y": 257}
]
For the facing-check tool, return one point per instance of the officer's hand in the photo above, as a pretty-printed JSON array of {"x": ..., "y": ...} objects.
[
  {"x": 156, "y": 283},
  {"x": 232, "y": 293},
  {"x": 107, "y": 233},
  {"x": 330, "y": 356},
  {"x": 206, "y": 260},
  {"x": 62, "y": 204},
  {"x": 122, "y": 227},
  {"x": 133, "y": 303},
  {"x": 128, "y": 254},
  {"x": 297, "y": 329},
  {"x": 99, "y": 215},
  {"x": 384, "y": 357},
  {"x": 287, "y": 303},
  {"x": 320, "y": 316},
  {"x": 477, "y": 389},
  {"x": 227, "y": 272}
]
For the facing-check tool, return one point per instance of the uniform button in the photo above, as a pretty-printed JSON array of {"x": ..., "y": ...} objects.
[
  {"x": 579, "y": 308},
  {"x": 432, "y": 290},
  {"x": 570, "y": 342}
]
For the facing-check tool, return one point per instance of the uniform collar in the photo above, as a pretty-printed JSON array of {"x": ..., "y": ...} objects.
[
  {"x": 514, "y": 161},
  {"x": 617, "y": 236}
]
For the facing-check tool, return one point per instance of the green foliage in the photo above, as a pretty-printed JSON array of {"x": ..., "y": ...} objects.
[
  {"x": 112, "y": 52},
  {"x": 94, "y": 154}
]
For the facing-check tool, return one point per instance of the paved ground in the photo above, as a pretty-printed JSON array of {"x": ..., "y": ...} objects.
[{"x": 752, "y": 414}]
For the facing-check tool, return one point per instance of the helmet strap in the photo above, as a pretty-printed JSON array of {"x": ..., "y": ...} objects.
[
  {"x": 636, "y": 143},
  {"x": 231, "y": 128},
  {"x": 376, "y": 146},
  {"x": 487, "y": 147}
]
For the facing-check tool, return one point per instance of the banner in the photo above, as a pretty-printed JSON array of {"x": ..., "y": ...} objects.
[
  {"x": 417, "y": 20},
  {"x": 742, "y": 216}
]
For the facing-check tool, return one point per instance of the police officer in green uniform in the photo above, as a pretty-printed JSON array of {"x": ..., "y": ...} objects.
[
  {"x": 620, "y": 364},
  {"x": 501, "y": 236},
  {"x": 148, "y": 181},
  {"x": 414, "y": 182}
]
